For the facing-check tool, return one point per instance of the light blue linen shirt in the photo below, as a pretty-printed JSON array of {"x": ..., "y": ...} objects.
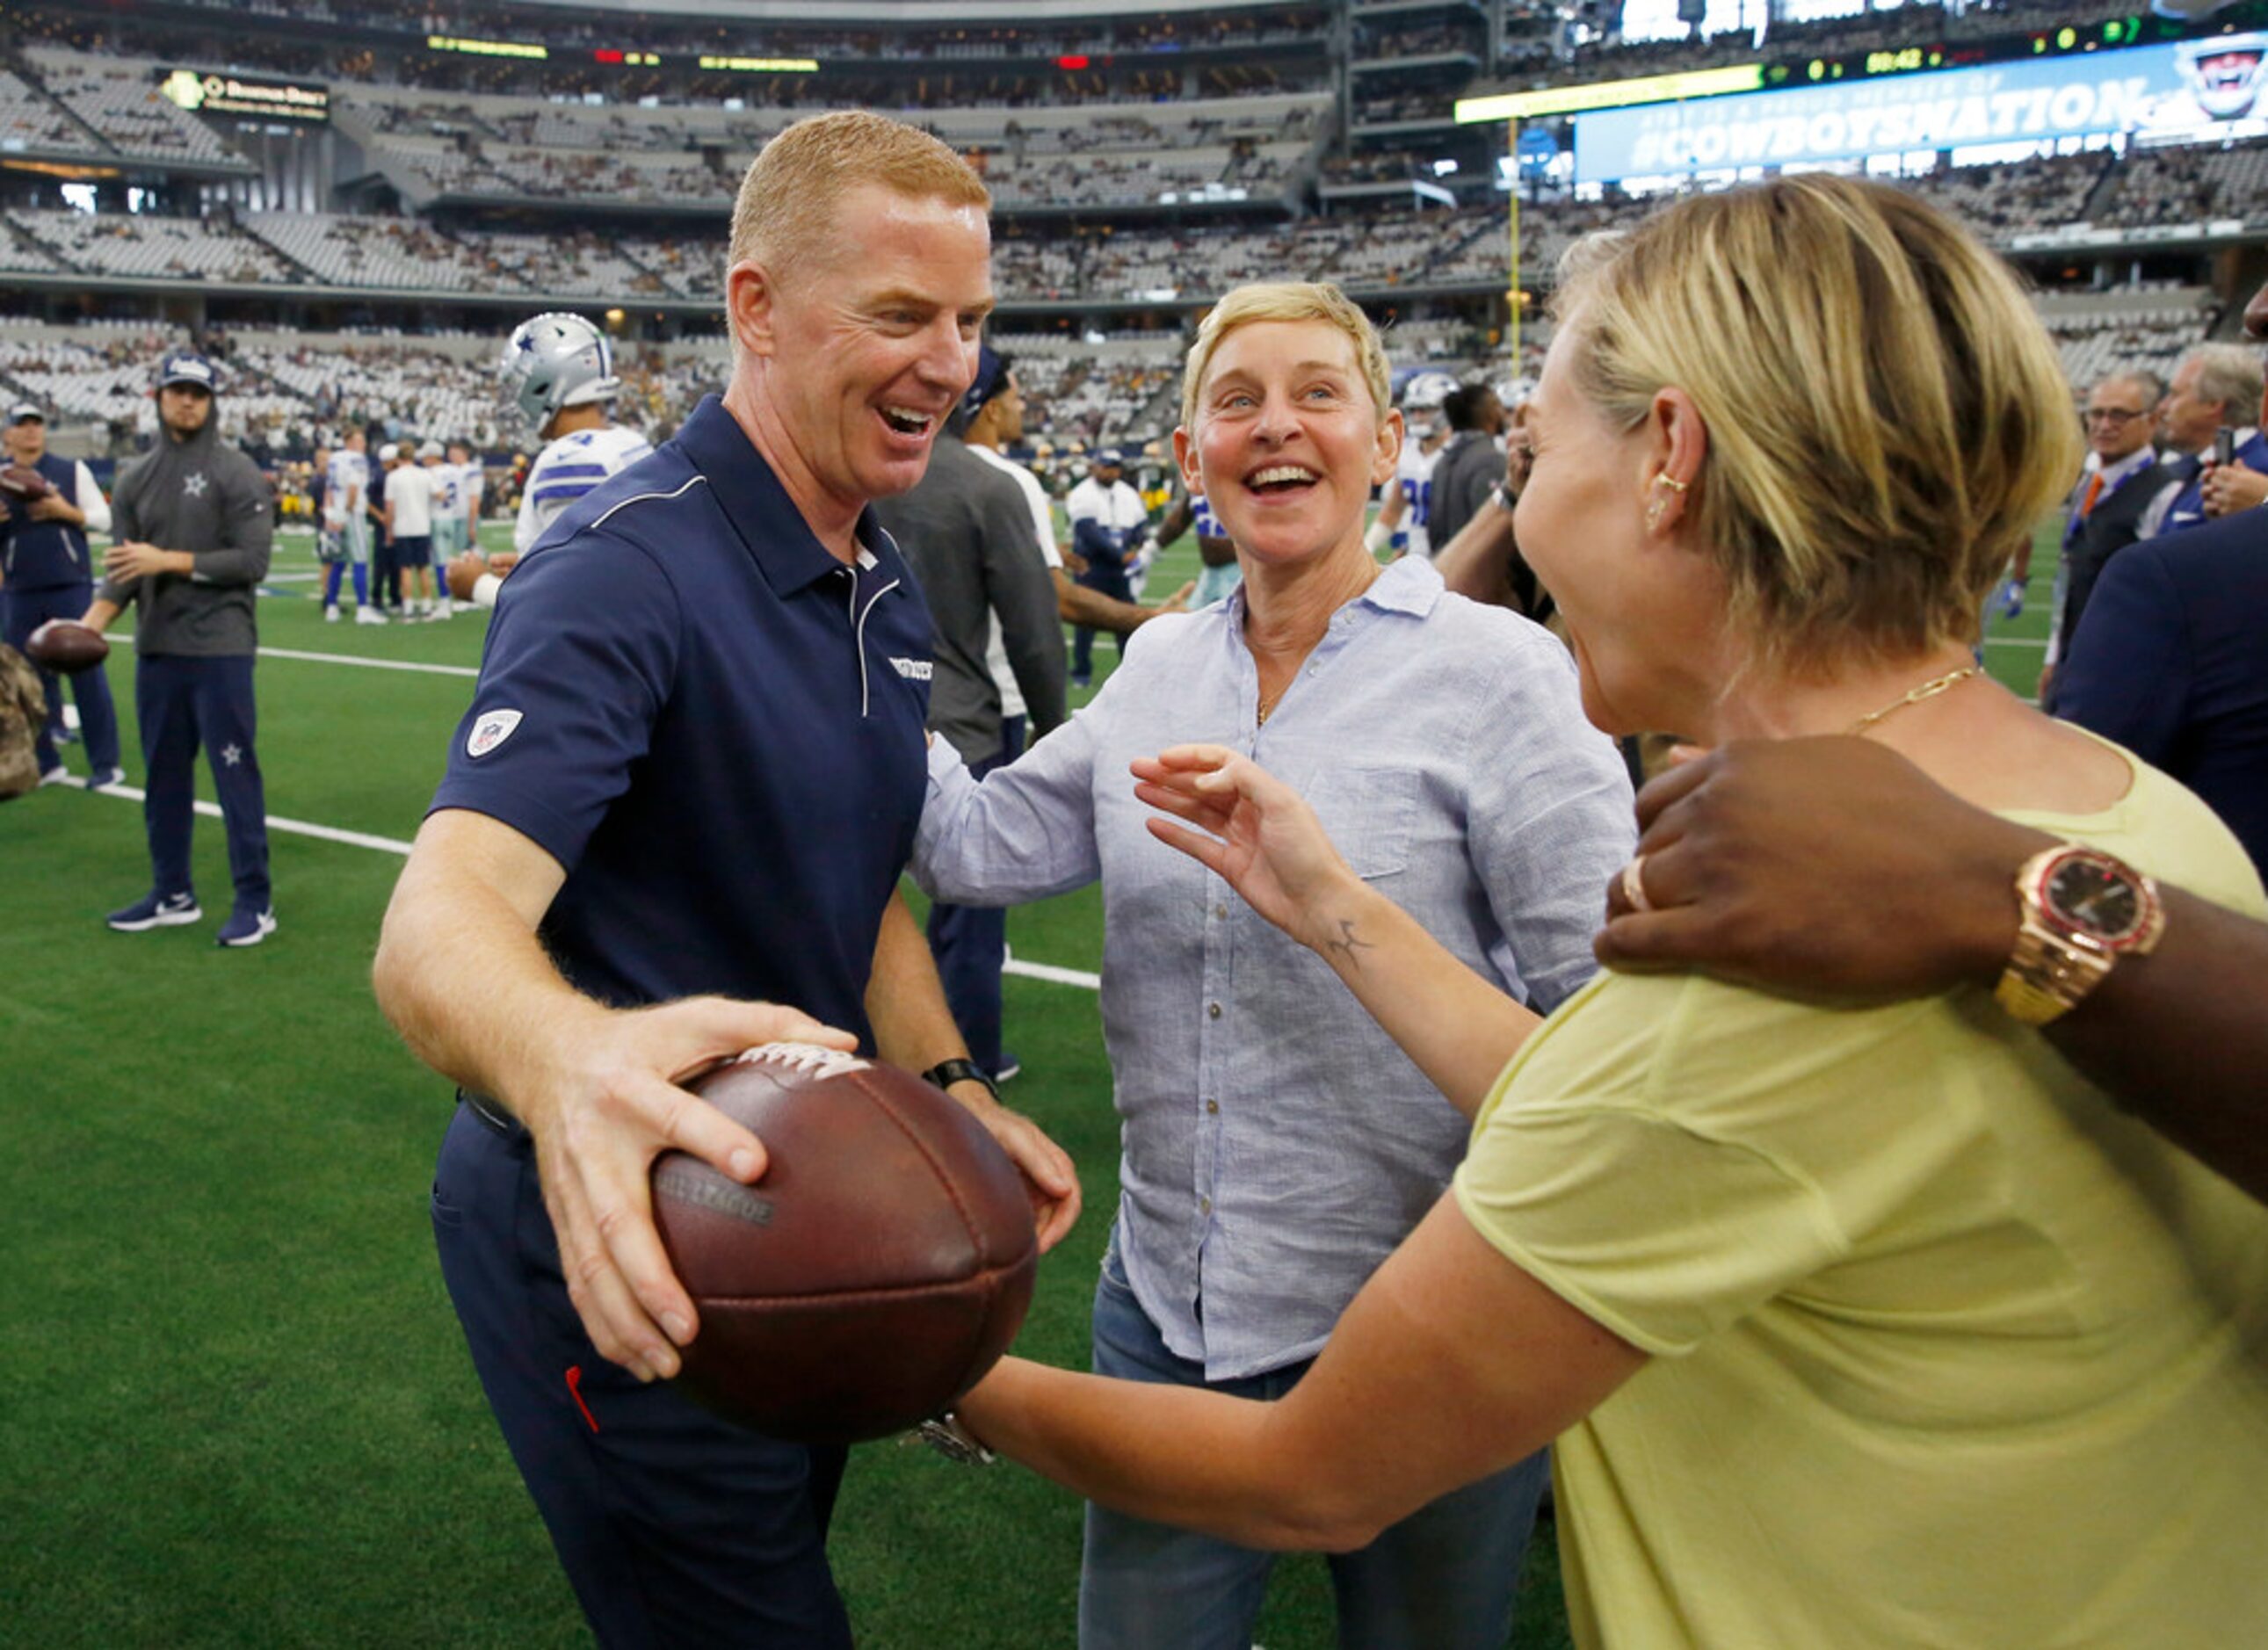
[{"x": 1276, "y": 1145}]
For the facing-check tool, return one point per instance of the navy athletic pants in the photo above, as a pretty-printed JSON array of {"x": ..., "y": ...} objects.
[
  {"x": 27, "y": 611},
  {"x": 184, "y": 703},
  {"x": 1111, "y": 581},
  {"x": 970, "y": 943},
  {"x": 677, "y": 1530}
]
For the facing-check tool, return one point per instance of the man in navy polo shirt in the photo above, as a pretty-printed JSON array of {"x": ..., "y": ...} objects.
[{"x": 688, "y": 782}]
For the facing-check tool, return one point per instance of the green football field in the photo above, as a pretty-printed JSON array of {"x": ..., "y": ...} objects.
[{"x": 235, "y": 1408}]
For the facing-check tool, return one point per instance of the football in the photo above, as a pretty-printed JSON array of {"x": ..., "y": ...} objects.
[
  {"x": 21, "y": 480},
  {"x": 881, "y": 1266},
  {"x": 67, "y": 646},
  {"x": 21, "y": 484}
]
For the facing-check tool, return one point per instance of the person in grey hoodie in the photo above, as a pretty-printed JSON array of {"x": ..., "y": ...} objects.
[{"x": 193, "y": 524}]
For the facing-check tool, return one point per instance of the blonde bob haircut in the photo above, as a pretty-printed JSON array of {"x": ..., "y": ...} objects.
[
  {"x": 1286, "y": 300},
  {"x": 1887, "y": 418},
  {"x": 792, "y": 192}
]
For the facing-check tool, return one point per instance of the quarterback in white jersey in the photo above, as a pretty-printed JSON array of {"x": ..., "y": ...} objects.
[{"x": 568, "y": 467}]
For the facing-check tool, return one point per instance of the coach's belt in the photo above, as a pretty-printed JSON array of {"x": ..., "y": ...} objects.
[{"x": 493, "y": 1115}]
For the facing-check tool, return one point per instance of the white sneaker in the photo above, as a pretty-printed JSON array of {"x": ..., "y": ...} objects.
[
  {"x": 331, "y": 614},
  {"x": 56, "y": 775},
  {"x": 446, "y": 608},
  {"x": 369, "y": 616}
]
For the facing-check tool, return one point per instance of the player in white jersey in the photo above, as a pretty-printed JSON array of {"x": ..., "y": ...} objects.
[
  {"x": 571, "y": 466},
  {"x": 449, "y": 540},
  {"x": 344, "y": 539},
  {"x": 1403, "y": 513},
  {"x": 559, "y": 371},
  {"x": 472, "y": 483}
]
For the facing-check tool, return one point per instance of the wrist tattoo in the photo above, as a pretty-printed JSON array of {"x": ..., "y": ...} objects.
[{"x": 1349, "y": 942}]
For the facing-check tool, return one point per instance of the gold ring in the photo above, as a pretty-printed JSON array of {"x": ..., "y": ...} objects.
[{"x": 1634, "y": 884}]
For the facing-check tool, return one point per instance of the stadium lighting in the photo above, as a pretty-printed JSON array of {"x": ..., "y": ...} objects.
[{"x": 1611, "y": 94}]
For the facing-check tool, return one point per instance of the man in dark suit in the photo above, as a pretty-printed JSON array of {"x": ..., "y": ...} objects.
[
  {"x": 2170, "y": 662},
  {"x": 2123, "y": 475}
]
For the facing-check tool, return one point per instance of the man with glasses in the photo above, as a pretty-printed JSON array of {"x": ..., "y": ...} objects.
[{"x": 2121, "y": 478}]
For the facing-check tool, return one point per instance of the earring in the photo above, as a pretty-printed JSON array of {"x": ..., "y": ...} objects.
[
  {"x": 1653, "y": 516},
  {"x": 1666, "y": 480}
]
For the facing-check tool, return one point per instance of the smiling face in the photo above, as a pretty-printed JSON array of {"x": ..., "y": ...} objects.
[
  {"x": 862, "y": 348},
  {"x": 1288, "y": 442}
]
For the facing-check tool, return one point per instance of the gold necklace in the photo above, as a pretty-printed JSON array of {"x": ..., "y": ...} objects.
[
  {"x": 1929, "y": 689},
  {"x": 1266, "y": 706}
]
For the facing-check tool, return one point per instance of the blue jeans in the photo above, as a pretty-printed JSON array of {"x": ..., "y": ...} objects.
[{"x": 1443, "y": 1578}]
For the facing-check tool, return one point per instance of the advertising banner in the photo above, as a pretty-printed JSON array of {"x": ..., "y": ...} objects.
[{"x": 2181, "y": 87}]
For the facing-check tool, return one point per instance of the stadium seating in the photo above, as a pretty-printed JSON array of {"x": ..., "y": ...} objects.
[{"x": 119, "y": 98}]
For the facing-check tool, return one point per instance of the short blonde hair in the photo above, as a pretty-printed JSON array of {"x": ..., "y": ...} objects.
[
  {"x": 1887, "y": 419},
  {"x": 1286, "y": 300},
  {"x": 793, "y": 190}
]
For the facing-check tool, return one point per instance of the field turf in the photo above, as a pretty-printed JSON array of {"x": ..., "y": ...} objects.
[{"x": 235, "y": 1408}]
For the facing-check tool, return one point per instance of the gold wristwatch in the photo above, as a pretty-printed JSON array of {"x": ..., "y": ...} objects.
[{"x": 2082, "y": 910}]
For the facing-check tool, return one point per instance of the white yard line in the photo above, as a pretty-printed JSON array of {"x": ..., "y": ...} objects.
[
  {"x": 394, "y": 845},
  {"x": 355, "y": 658},
  {"x": 289, "y": 827}
]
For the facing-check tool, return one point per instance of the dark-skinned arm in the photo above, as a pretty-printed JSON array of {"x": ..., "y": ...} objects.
[{"x": 1833, "y": 868}]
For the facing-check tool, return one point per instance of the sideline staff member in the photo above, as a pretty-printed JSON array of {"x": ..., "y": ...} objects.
[
  {"x": 688, "y": 782},
  {"x": 47, "y": 571},
  {"x": 194, "y": 642}
]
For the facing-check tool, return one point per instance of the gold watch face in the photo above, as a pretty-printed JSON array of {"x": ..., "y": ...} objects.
[{"x": 2094, "y": 895}]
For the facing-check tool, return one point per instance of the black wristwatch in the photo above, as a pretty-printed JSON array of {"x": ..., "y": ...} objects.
[
  {"x": 946, "y": 1073},
  {"x": 949, "y": 1438}
]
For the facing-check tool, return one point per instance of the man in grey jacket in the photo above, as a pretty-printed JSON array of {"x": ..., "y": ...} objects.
[
  {"x": 968, "y": 535},
  {"x": 192, "y": 523}
]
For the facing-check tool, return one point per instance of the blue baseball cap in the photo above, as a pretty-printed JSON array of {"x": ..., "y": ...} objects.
[
  {"x": 991, "y": 374},
  {"x": 186, "y": 366},
  {"x": 1111, "y": 456}
]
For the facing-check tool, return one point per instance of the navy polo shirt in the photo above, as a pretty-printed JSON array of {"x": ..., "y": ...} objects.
[{"x": 714, "y": 726}]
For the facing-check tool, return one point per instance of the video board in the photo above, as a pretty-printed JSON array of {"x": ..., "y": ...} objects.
[{"x": 2197, "y": 88}]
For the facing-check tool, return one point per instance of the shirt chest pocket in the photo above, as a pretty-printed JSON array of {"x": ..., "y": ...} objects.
[{"x": 1370, "y": 814}]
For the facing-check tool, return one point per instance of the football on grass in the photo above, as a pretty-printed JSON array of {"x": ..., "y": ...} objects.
[
  {"x": 880, "y": 1266},
  {"x": 21, "y": 480},
  {"x": 67, "y": 646}
]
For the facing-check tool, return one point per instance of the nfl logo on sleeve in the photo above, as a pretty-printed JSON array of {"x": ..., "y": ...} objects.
[{"x": 491, "y": 731}]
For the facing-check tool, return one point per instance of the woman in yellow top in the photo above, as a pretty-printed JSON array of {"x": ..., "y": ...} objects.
[{"x": 1852, "y": 1327}]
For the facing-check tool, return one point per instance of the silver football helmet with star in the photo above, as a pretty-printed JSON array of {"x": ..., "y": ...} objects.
[{"x": 553, "y": 361}]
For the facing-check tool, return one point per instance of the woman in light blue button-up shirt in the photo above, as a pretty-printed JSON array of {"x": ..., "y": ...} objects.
[{"x": 1277, "y": 1144}]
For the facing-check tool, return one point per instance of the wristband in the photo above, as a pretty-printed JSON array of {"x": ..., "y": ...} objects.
[{"x": 946, "y": 1073}]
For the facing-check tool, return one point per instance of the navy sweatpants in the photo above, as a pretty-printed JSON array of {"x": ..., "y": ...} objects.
[
  {"x": 26, "y": 610},
  {"x": 185, "y": 702},
  {"x": 678, "y": 1530},
  {"x": 1111, "y": 581}
]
